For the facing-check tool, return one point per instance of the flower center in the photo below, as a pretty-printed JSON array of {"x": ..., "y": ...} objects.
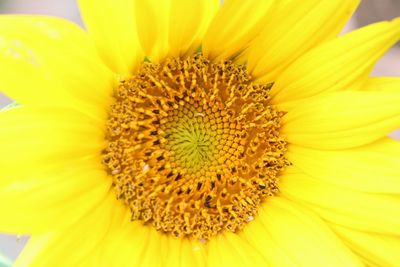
[{"x": 194, "y": 146}]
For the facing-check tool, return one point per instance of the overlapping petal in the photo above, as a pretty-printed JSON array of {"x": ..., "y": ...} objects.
[
  {"x": 36, "y": 136},
  {"x": 172, "y": 27},
  {"x": 302, "y": 237},
  {"x": 60, "y": 150},
  {"x": 340, "y": 64},
  {"x": 222, "y": 248},
  {"x": 52, "y": 62},
  {"x": 134, "y": 244},
  {"x": 370, "y": 212},
  {"x": 113, "y": 27},
  {"x": 234, "y": 26},
  {"x": 261, "y": 240},
  {"x": 371, "y": 168},
  {"x": 342, "y": 120},
  {"x": 376, "y": 250},
  {"x": 58, "y": 195},
  {"x": 292, "y": 30},
  {"x": 383, "y": 84},
  {"x": 73, "y": 244},
  {"x": 189, "y": 21}
]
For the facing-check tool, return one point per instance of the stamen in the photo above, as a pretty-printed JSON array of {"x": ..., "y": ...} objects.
[{"x": 193, "y": 146}]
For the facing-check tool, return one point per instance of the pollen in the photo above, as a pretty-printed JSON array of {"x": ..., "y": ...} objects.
[{"x": 194, "y": 147}]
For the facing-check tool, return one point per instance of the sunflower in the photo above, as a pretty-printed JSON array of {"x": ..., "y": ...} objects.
[{"x": 189, "y": 133}]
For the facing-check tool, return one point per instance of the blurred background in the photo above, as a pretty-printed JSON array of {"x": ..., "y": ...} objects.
[{"x": 368, "y": 12}]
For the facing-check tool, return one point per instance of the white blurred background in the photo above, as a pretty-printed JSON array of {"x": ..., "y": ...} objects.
[{"x": 368, "y": 12}]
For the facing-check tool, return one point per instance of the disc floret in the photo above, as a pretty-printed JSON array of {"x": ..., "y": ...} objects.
[{"x": 194, "y": 146}]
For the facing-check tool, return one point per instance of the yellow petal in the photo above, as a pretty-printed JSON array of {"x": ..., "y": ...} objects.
[
  {"x": 52, "y": 62},
  {"x": 380, "y": 250},
  {"x": 130, "y": 243},
  {"x": 34, "y": 246},
  {"x": 235, "y": 25},
  {"x": 337, "y": 64},
  {"x": 377, "y": 213},
  {"x": 260, "y": 239},
  {"x": 229, "y": 249},
  {"x": 193, "y": 253},
  {"x": 175, "y": 252},
  {"x": 383, "y": 84},
  {"x": 124, "y": 245},
  {"x": 170, "y": 28},
  {"x": 304, "y": 237},
  {"x": 153, "y": 16},
  {"x": 356, "y": 168},
  {"x": 112, "y": 25},
  {"x": 56, "y": 194},
  {"x": 189, "y": 21},
  {"x": 42, "y": 150},
  {"x": 342, "y": 119},
  {"x": 296, "y": 28},
  {"x": 69, "y": 246},
  {"x": 33, "y": 136}
]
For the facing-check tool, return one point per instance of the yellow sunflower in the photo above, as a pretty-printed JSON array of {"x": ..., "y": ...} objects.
[{"x": 185, "y": 133}]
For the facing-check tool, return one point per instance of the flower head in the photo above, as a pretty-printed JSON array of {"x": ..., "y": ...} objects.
[
  {"x": 193, "y": 134},
  {"x": 194, "y": 147}
]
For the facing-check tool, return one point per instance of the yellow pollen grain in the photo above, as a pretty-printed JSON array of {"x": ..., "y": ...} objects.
[{"x": 194, "y": 146}]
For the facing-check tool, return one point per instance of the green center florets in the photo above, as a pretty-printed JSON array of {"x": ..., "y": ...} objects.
[{"x": 191, "y": 139}]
